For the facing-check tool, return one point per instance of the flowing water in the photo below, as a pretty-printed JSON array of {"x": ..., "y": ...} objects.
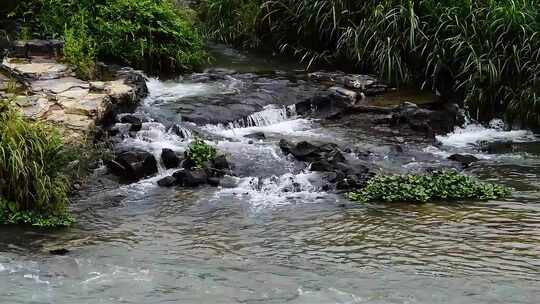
[{"x": 277, "y": 236}]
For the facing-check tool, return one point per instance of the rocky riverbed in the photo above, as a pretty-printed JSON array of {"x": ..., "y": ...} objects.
[{"x": 276, "y": 227}]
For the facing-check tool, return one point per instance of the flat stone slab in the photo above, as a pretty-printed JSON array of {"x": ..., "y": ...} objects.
[
  {"x": 37, "y": 68},
  {"x": 55, "y": 95},
  {"x": 60, "y": 85}
]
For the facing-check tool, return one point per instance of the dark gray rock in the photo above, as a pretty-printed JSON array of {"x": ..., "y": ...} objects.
[
  {"x": 428, "y": 121},
  {"x": 130, "y": 119},
  {"x": 221, "y": 162},
  {"x": 464, "y": 159},
  {"x": 167, "y": 181},
  {"x": 191, "y": 178},
  {"x": 170, "y": 158},
  {"x": 214, "y": 181},
  {"x": 256, "y": 135},
  {"x": 133, "y": 165}
]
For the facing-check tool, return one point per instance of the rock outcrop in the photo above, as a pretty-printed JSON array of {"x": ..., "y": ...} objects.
[{"x": 54, "y": 94}]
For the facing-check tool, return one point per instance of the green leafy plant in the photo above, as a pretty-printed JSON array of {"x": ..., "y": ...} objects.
[
  {"x": 438, "y": 186},
  {"x": 80, "y": 50},
  {"x": 32, "y": 168},
  {"x": 200, "y": 152},
  {"x": 150, "y": 34}
]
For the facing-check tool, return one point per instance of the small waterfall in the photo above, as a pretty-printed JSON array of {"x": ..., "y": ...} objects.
[{"x": 269, "y": 116}]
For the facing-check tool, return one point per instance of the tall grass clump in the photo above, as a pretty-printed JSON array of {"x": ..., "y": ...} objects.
[
  {"x": 484, "y": 53},
  {"x": 33, "y": 185},
  {"x": 151, "y": 34}
]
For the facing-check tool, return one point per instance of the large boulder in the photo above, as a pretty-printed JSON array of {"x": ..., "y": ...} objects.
[{"x": 419, "y": 119}]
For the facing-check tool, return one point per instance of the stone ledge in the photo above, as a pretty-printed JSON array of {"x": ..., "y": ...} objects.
[{"x": 55, "y": 95}]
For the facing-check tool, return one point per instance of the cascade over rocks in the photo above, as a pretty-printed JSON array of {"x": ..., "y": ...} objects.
[{"x": 328, "y": 158}]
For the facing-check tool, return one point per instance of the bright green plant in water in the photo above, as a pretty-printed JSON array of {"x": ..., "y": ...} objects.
[
  {"x": 438, "y": 186},
  {"x": 33, "y": 185},
  {"x": 200, "y": 152}
]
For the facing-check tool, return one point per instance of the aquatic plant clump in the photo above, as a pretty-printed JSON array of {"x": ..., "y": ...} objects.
[
  {"x": 33, "y": 184},
  {"x": 438, "y": 186},
  {"x": 200, "y": 152}
]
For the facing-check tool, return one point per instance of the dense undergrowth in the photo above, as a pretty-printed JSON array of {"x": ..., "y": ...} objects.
[
  {"x": 150, "y": 34},
  {"x": 485, "y": 52},
  {"x": 34, "y": 185},
  {"x": 439, "y": 186}
]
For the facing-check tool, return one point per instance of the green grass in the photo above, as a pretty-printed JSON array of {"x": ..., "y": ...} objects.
[
  {"x": 150, "y": 34},
  {"x": 34, "y": 184},
  {"x": 483, "y": 53},
  {"x": 438, "y": 186}
]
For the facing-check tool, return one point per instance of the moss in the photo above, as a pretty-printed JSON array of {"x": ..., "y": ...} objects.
[{"x": 438, "y": 186}]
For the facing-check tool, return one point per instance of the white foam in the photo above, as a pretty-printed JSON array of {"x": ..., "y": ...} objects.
[
  {"x": 277, "y": 190},
  {"x": 472, "y": 134}
]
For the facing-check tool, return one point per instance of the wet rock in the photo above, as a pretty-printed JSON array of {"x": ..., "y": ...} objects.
[
  {"x": 229, "y": 182},
  {"x": 325, "y": 105},
  {"x": 170, "y": 158},
  {"x": 191, "y": 178},
  {"x": 425, "y": 120},
  {"x": 214, "y": 181},
  {"x": 167, "y": 181},
  {"x": 221, "y": 162},
  {"x": 130, "y": 119},
  {"x": 256, "y": 135},
  {"x": 133, "y": 165},
  {"x": 135, "y": 127},
  {"x": 340, "y": 92},
  {"x": 59, "y": 251},
  {"x": 497, "y": 147},
  {"x": 464, "y": 159},
  {"x": 187, "y": 163}
]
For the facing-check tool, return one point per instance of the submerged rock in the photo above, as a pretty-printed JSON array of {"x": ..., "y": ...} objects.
[
  {"x": 167, "y": 181},
  {"x": 464, "y": 159}
]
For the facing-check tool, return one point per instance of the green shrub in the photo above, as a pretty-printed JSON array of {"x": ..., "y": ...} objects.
[
  {"x": 32, "y": 164},
  {"x": 231, "y": 21},
  {"x": 80, "y": 51},
  {"x": 439, "y": 186},
  {"x": 148, "y": 34},
  {"x": 200, "y": 152}
]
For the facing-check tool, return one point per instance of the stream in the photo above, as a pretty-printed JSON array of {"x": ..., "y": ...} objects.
[{"x": 276, "y": 235}]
